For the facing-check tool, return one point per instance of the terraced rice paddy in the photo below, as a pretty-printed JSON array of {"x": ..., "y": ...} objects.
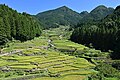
[
  {"x": 37, "y": 61},
  {"x": 69, "y": 77},
  {"x": 55, "y": 63}
]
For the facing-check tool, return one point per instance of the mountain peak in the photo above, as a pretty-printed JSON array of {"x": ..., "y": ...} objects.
[
  {"x": 62, "y": 16},
  {"x": 102, "y": 9},
  {"x": 101, "y": 6},
  {"x": 84, "y": 12},
  {"x": 117, "y": 8},
  {"x": 64, "y": 8},
  {"x": 98, "y": 13}
]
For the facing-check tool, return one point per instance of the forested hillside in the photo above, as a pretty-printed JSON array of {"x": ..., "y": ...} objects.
[
  {"x": 66, "y": 16},
  {"x": 103, "y": 35},
  {"x": 16, "y": 25},
  {"x": 59, "y": 16},
  {"x": 96, "y": 14}
]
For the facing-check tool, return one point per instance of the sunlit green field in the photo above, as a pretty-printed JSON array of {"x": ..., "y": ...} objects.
[
  {"x": 69, "y": 77},
  {"x": 51, "y": 62},
  {"x": 41, "y": 62}
]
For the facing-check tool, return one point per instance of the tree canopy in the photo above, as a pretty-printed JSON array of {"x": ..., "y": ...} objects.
[
  {"x": 20, "y": 26},
  {"x": 103, "y": 35}
]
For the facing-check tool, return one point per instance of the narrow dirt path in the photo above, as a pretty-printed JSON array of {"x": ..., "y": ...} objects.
[{"x": 12, "y": 52}]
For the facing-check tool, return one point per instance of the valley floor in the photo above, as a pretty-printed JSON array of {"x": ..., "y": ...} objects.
[{"x": 49, "y": 57}]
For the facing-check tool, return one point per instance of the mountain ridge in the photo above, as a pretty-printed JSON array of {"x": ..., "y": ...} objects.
[
  {"x": 98, "y": 13},
  {"x": 103, "y": 35},
  {"x": 66, "y": 16},
  {"x": 60, "y": 16}
]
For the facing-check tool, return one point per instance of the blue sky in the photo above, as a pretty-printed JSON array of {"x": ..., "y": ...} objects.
[{"x": 36, "y": 6}]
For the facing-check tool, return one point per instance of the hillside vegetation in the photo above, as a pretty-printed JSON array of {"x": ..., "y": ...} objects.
[
  {"x": 67, "y": 17},
  {"x": 73, "y": 46},
  {"x": 103, "y": 35},
  {"x": 59, "y": 16},
  {"x": 96, "y": 14},
  {"x": 39, "y": 59},
  {"x": 16, "y": 25}
]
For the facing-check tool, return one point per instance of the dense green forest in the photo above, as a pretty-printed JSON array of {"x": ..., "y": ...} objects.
[
  {"x": 103, "y": 35},
  {"x": 96, "y": 14},
  {"x": 59, "y": 16},
  {"x": 14, "y": 25},
  {"x": 66, "y": 16}
]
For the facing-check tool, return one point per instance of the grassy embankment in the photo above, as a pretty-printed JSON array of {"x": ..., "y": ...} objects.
[{"x": 41, "y": 62}]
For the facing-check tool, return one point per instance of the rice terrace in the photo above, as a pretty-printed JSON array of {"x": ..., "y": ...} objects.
[{"x": 60, "y": 44}]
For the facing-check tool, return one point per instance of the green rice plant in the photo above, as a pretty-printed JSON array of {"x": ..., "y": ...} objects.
[
  {"x": 62, "y": 69},
  {"x": 78, "y": 72},
  {"x": 22, "y": 67},
  {"x": 70, "y": 77}
]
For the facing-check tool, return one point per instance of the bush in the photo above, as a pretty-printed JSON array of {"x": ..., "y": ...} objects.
[
  {"x": 116, "y": 64},
  {"x": 104, "y": 70},
  {"x": 107, "y": 70}
]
